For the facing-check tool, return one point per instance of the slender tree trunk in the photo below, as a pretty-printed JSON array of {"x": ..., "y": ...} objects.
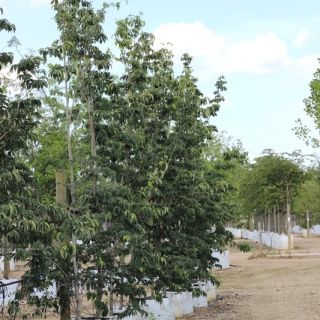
[
  {"x": 6, "y": 261},
  {"x": 72, "y": 192},
  {"x": 99, "y": 294},
  {"x": 121, "y": 297},
  {"x": 94, "y": 182},
  {"x": 251, "y": 219},
  {"x": 65, "y": 302},
  {"x": 92, "y": 129},
  {"x": 308, "y": 224},
  {"x": 283, "y": 219},
  {"x": 289, "y": 227},
  {"x": 288, "y": 219},
  {"x": 111, "y": 302},
  {"x": 63, "y": 294}
]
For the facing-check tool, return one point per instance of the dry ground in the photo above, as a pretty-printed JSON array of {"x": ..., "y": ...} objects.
[
  {"x": 272, "y": 287},
  {"x": 269, "y": 288}
]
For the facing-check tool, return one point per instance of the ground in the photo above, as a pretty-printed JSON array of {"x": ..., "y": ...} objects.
[{"x": 273, "y": 287}]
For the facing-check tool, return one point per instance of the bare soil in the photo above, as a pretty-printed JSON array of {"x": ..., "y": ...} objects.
[{"x": 277, "y": 286}]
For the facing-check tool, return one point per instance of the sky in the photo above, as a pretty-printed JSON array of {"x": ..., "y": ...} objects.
[{"x": 267, "y": 51}]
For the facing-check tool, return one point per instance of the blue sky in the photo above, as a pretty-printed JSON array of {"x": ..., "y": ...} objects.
[{"x": 267, "y": 50}]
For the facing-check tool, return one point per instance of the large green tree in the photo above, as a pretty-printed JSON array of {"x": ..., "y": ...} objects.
[
  {"x": 226, "y": 165},
  {"x": 308, "y": 199},
  {"x": 273, "y": 181},
  {"x": 166, "y": 124},
  {"x": 312, "y": 109},
  {"x": 25, "y": 222},
  {"x": 140, "y": 187},
  {"x": 18, "y": 118},
  {"x": 311, "y": 137}
]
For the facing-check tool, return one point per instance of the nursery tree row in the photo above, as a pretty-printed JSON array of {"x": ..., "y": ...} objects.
[
  {"x": 149, "y": 184},
  {"x": 142, "y": 200}
]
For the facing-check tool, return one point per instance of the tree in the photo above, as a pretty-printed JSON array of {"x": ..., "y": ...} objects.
[
  {"x": 226, "y": 165},
  {"x": 25, "y": 222},
  {"x": 152, "y": 132},
  {"x": 142, "y": 188},
  {"x": 273, "y": 181},
  {"x": 308, "y": 199},
  {"x": 312, "y": 104},
  {"x": 83, "y": 71},
  {"x": 19, "y": 116},
  {"x": 312, "y": 109}
]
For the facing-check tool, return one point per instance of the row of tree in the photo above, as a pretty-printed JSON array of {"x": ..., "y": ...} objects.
[
  {"x": 273, "y": 189},
  {"x": 137, "y": 199},
  {"x": 145, "y": 185}
]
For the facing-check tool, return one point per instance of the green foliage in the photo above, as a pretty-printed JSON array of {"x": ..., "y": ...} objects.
[
  {"x": 244, "y": 247},
  {"x": 312, "y": 109},
  {"x": 274, "y": 180},
  {"x": 308, "y": 199},
  {"x": 226, "y": 166},
  {"x": 20, "y": 216},
  {"x": 132, "y": 147}
]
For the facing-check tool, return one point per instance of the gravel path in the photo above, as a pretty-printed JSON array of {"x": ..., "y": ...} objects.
[{"x": 276, "y": 287}]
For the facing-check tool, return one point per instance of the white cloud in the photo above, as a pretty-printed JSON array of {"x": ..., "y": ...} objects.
[
  {"x": 305, "y": 66},
  {"x": 301, "y": 38},
  {"x": 38, "y": 3},
  {"x": 264, "y": 54},
  {"x": 194, "y": 38},
  {"x": 22, "y": 3}
]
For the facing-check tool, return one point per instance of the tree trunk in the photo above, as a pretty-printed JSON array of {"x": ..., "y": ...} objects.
[
  {"x": 289, "y": 227},
  {"x": 121, "y": 296},
  {"x": 308, "y": 224},
  {"x": 251, "y": 222},
  {"x": 6, "y": 261},
  {"x": 65, "y": 302},
  {"x": 72, "y": 191},
  {"x": 62, "y": 293},
  {"x": 111, "y": 302}
]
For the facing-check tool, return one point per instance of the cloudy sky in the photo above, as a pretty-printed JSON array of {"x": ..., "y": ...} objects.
[{"x": 267, "y": 51}]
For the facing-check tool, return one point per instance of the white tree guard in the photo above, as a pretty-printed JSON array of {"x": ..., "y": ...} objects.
[
  {"x": 270, "y": 239},
  {"x": 157, "y": 310},
  {"x": 10, "y": 291},
  {"x": 297, "y": 229},
  {"x": 211, "y": 291},
  {"x": 315, "y": 229},
  {"x": 168, "y": 304},
  {"x": 186, "y": 302},
  {"x": 236, "y": 232},
  {"x": 12, "y": 265},
  {"x": 51, "y": 291},
  {"x": 202, "y": 301},
  {"x": 177, "y": 304},
  {"x": 117, "y": 311},
  {"x": 224, "y": 258}
]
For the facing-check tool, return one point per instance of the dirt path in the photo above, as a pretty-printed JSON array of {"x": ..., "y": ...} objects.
[{"x": 269, "y": 288}]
